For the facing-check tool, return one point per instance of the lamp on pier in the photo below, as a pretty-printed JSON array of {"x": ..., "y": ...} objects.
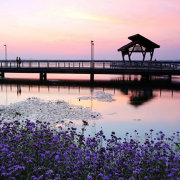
[
  {"x": 92, "y": 53},
  {"x": 5, "y": 46}
]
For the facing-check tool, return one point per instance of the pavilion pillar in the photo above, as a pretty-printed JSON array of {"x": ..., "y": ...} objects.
[
  {"x": 144, "y": 55},
  {"x": 129, "y": 55},
  {"x": 123, "y": 55},
  {"x": 151, "y": 54}
]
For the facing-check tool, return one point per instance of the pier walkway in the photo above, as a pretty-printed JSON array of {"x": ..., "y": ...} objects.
[{"x": 146, "y": 68}]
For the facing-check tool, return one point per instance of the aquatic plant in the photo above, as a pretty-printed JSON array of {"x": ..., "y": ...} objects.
[{"x": 36, "y": 151}]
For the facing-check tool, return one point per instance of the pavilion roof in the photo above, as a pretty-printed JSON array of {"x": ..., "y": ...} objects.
[
  {"x": 141, "y": 40},
  {"x": 127, "y": 46}
]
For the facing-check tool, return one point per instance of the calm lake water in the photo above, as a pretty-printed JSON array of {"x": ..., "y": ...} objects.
[{"x": 139, "y": 104}]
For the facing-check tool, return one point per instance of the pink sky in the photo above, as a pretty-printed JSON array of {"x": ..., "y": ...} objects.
[{"x": 63, "y": 29}]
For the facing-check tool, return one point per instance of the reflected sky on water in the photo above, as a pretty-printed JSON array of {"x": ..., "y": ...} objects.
[{"x": 139, "y": 105}]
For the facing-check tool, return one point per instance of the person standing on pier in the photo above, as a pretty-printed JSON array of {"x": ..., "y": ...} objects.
[{"x": 19, "y": 61}]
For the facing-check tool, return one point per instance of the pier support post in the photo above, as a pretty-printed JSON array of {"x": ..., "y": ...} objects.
[
  {"x": 146, "y": 78},
  {"x": 2, "y": 74},
  {"x": 43, "y": 76},
  {"x": 92, "y": 77},
  {"x": 170, "y": 78}
]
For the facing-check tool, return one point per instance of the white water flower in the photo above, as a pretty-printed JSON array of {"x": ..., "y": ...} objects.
[{"x": 100, "y": 96}]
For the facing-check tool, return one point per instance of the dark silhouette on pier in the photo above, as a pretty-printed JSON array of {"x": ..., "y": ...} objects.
[
  {"x": 18, "y": 61},
  {"x": 138, "y": 44}
]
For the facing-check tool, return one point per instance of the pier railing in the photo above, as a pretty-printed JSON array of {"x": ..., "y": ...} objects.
[{"x": 83, "y": 64}]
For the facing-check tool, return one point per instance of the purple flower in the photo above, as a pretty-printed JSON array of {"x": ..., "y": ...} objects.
[
  {"x": 99, "y": 176},
  {"x": 73, "y": 156},
  {"x": 89, "y": 178},
  {"x": 131, "y": 178},
  {"x": 106, "y": 178},
  {"x": 57, "y": 157},
  {"x": 146, "y": 177},
  {"x": 47, "y": 152},
  {"x": 4, "y": 150},
  {"x": 56, "y": 137}
]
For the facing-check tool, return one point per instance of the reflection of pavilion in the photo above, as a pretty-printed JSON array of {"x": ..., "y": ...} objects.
[
  {"x": 138, "y": 44},
  {"x": 139, "y": 97}
]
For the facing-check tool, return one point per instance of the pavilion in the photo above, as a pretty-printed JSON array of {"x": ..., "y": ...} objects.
[{"x": 138, "y": 44}]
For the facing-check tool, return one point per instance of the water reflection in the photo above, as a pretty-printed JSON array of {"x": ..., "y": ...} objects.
[
  {"x": 138, "y": 90},
  {"x": 140, "y": 104}
]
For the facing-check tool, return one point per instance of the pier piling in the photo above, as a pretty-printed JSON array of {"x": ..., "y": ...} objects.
[
  {"x": 92, "y": 77},
  {"x": 2, "y": 74},
  {"x": 43, "y": 76}
]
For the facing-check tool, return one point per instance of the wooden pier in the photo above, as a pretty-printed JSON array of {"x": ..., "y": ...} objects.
[{"x": 144, "y": 68}]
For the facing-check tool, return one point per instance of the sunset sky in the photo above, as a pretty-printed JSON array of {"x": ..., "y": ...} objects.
[{"x": 63, "y": 29}]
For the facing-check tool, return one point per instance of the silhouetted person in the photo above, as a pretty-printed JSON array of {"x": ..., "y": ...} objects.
[{"x": 19, "y": 61}]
